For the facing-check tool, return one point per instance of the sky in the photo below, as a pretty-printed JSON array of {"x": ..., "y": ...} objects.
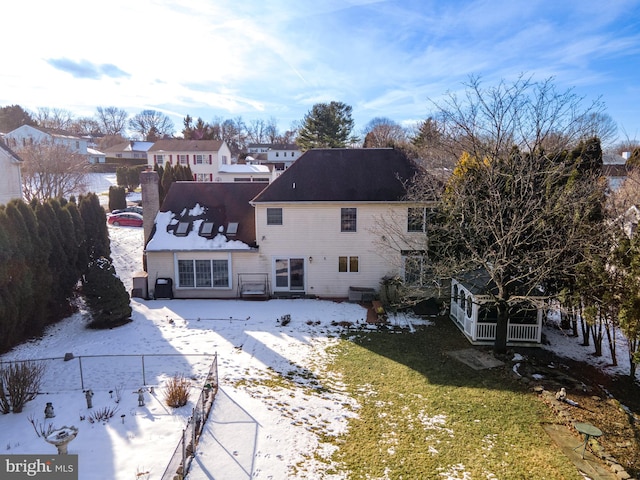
[{"x": 264, "y": 59}]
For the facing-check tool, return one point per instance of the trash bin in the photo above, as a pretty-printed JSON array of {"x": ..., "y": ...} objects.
[{"x": 164, "y": 288}]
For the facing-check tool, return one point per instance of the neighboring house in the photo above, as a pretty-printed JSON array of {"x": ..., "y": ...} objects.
[
  {"x": 474, "y": 311},
  {"x": 209, "y": 160},
  {"x": 95, "y": 156},
  {"x": 10, "y": 178},
  {"x": 278, "y": 156},
  {"x": 132, "y": 149},
  {"x": 314, "y": 231},
  {"x": 28, "y": 135},
  {"x": 615, "y": 170}
]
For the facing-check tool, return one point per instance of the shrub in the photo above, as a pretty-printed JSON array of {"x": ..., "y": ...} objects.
[
  {"x": 20, "y": 382},
  {"x": 177, "y": 392}
]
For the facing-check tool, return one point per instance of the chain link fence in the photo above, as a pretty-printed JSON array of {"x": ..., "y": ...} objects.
[
  {"x": 180, "y": 462},
  {"x": 110, "y": 372}
]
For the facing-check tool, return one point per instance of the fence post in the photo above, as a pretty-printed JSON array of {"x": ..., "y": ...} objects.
[
  {"x": 81, "y": 377},
  {"x": 184, "y": 454},
  {"x": 144, "y": 378}
]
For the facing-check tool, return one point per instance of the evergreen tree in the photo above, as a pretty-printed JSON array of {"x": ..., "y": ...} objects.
[
  {"x": 117, "y": 198},
  {"x": 107, "y": 298},
  {"x": 95, "y": 227},
  {"x": 327, "y": 125}
]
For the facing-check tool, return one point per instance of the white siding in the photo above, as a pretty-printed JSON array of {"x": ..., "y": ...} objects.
[
  {"x": 10, "y": 180},
  {"x": 164, "y": 265},
  {"x": 312, "y": 232}
]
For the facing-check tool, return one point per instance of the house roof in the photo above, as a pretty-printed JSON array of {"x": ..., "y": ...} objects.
[
  {"x": 10, "y": 152},
  {"x": 180, "y": 145},
  {"x": 197, "y": 203},
  {"x": 615, "y": 170},
  {"x": 54, "y": 132},
  {"x": 343, "y": 175},
  {"x": 275, "y": 146},
  {"x": 130, "y": 147}
]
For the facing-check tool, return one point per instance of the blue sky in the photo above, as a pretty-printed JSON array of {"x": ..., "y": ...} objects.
[{"x": 258, "y": 59}]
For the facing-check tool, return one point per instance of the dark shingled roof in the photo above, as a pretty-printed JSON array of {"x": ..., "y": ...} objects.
[
  {"x": 225, "y": 202},
  {"x": 343, "y": 175}
]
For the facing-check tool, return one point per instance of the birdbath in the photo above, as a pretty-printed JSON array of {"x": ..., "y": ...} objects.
[{"x": 61, "y": 438}]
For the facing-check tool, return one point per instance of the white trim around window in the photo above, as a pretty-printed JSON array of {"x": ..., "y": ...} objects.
[{"x": 202, "y": 270}]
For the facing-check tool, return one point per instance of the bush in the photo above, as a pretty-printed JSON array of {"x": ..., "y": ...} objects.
[
  {"x": 177, "y": 392},
  {"x": 19, "y": 384},
  {"x": 117, "y": 198}
]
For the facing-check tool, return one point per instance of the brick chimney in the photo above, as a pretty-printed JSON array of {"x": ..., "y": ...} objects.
[{"x": 150, "y": 200}]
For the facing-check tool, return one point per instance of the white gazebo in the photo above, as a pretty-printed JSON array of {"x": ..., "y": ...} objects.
[{"x": 474, "y": 311}]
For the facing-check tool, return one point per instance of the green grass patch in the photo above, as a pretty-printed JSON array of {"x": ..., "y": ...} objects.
[{"x": 425, "y": 415}]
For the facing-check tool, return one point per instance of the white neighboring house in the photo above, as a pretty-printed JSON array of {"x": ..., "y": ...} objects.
[
  {"x": 10, "y": 177},
  {"x": 209, "y": 160},
  {"x": 279, "y": 156},
  {"x": 28, "y": 135},
  {"x": 132, "y": 149},
  {"x": 95, "y": 156}
]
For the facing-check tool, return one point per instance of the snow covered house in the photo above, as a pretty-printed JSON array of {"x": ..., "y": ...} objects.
[
  {"x": 312, "y": 232},
  {"x": 474, "y": 311},
  {"x": 132, "y": 149},
  {"x": 10, "y": 177}
]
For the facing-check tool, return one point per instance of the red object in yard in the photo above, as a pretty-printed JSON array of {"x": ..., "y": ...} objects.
[{"x": 128, "y": 219}]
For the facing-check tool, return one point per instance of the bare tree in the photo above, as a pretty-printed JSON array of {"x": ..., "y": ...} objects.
[
  {"x": 52, "y": 171},
  {"x": 516, "y": 211},
  {"x": 257, "y": 131},
  {"x": 383, "y": 132},
  {"x": 112, "y": 120},
  {"x": 55, "y": 118},
  {"x": 85, "y": 126},
  {"x": 151, "y": 125}
]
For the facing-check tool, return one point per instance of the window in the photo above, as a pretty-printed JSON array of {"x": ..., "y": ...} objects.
[
  {"x": 200, "y": 159},
  {"x": 348, "y": 219},
  {"x": 203, "y": 274},
  {"x": 416, "y": 219},
  {"x": 224, "y": 159},
  {"x": 348, "y": 264},
  {"x": 415, "y": 267},
  {"x": 203, "y": 177},
  {"x": 469, "y": 306},
  {"x": 185, "y": 273},
  {"x": 159, "y": 159},
  {"x": 118, "y": 155},
  {"x": 183, "y": 159},
  {"x": 182, "y": 229},
  {"x": 274, "y": 216},
  {"x": 206, "y": 230}
]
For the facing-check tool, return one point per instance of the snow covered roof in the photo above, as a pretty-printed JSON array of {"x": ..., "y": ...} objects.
[
  {"x": 244, "y": 168},
  {"x": 206, "y": 216}
]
